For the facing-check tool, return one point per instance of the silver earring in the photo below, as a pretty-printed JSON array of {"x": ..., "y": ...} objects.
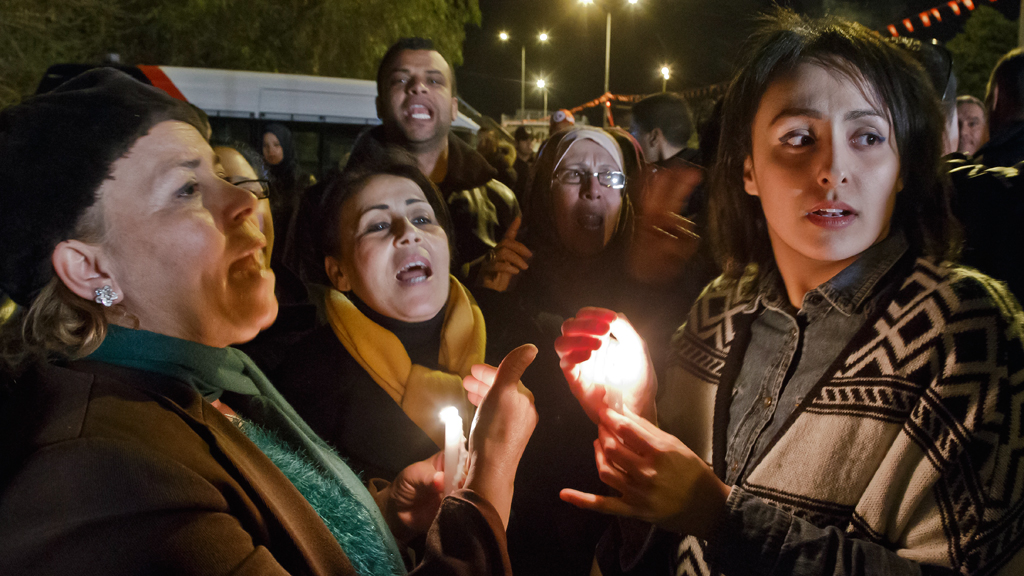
[{"x": 105, "y": 296}]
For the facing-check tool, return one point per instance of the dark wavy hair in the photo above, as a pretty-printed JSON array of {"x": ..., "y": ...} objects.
[
  {"x": 390, "y": 161},
  {"x": 737, "y": 227}
]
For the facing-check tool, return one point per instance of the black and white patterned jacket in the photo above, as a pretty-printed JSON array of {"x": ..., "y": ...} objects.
[{"x": 914, "y": 438}]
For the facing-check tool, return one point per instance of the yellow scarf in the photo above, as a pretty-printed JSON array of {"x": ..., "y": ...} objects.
[{"x": 420, "y": 391}]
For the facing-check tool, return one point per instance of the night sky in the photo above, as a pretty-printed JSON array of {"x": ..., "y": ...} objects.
[{"x": 699, "y": 39}]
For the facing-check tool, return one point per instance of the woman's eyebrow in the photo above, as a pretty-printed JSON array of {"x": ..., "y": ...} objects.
[
  {"x": 413, "y": 201},
  {"x": 791, "y": 112},
  {"x": 855, "y": 114},
  {"x": 375, "y": 207}
]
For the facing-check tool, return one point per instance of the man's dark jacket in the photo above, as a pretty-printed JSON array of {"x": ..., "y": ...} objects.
[
  {"x": 1005, "y": 148},
  {"x": 989, "y": 203}
]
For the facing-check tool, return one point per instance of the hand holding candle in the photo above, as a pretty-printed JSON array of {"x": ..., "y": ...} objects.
[{"x": 605, "y": 362}]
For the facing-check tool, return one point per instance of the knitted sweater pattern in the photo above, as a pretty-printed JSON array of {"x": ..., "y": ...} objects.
[{"x": 913, "y": 439}]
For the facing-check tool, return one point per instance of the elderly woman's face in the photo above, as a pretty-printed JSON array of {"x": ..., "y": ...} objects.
[
  {"x": 237, "y": 169},
  {"x": 394, "y": 254},
  {"x": 184, "y": 246},
  {"x": 586, "y": 213}
]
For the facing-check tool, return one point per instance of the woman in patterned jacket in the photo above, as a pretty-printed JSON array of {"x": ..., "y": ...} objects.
[{"x": 843, "y": 399}]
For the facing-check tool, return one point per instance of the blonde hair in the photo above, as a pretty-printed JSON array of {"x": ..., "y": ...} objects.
[{"x": 58, "y": 324}]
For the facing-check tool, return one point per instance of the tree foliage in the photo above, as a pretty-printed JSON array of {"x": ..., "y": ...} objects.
[
  {"x": 323, "y": 37},
  {"x": 987, "y": 35}
]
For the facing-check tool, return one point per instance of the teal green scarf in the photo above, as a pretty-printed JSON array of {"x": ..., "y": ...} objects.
[{"x": 211, "y": 371}]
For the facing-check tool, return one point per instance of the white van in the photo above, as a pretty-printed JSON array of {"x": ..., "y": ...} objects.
[{"x": 324, "y": 114}]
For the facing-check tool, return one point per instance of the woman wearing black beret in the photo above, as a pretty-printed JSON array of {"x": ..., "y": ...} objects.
[{"x": 136, "y": 441}]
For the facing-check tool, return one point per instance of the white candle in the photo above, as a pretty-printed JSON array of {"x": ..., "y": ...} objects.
[{"x": 454, "y": 447}]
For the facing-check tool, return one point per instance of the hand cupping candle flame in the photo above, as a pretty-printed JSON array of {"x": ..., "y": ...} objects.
[
  {"x": 605, "y": 363},
  {"x": 619, "y": 365}
]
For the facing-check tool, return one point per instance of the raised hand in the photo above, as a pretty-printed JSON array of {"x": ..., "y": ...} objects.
[
  {"x": 501, "y": 428},
  {"x": 480, "y": 380},
  {"x": 410, "y": 503},
  {"x": 505, "y": 261},
  {"x": 581, "y": 336},
  {"x": 660, "y": 480}
]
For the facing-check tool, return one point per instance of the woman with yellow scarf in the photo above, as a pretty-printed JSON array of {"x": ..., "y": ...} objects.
[{"x": 401, "y": 333}]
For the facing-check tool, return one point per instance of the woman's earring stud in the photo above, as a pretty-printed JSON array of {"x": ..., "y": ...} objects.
[{"x": 105, "y": 296}]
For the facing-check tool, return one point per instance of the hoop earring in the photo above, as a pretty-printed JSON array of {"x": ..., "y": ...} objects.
[{"x": 105, "y": 296}]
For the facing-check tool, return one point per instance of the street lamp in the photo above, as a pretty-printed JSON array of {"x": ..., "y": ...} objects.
[
  {"x": 664, "y": 77},
  {"x": 608, "y": 38},
  {"x": 543, "y": 86},
  {"x": 504, "y": 37}
]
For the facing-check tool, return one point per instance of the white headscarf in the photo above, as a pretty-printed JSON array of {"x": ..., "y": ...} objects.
[{"x": 602, "y": 138}]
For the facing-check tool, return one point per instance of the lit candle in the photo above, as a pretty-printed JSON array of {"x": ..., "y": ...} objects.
[
  {"x": 619, "y": 365},
  {"x": 454, "y": 448}
]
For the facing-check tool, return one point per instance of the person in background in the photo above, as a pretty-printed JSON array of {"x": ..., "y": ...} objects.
[
  {"x": 841, "y": 398},
  {"x": 973, "y": 123},
  {"x": 136, "y": 440},
  {"x": 1004, "y": 100},
  {"x": 560, "y": 120},
  {"x": 244, "y": 167},
  {"x": 288, "y": 181},
  {"x": 574, "y": 249},
  {"x": 662, "y": 124},
  {"x": 499, "y": 154},
  {"x": 416, "y": 102},
  {"x": 525, "y": 157}
]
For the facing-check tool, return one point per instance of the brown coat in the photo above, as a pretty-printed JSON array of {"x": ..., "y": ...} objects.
[{"x": 116, "y": 471}]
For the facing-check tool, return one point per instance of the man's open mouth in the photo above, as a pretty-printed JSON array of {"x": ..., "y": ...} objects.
[{"x": 419, "y": 112}]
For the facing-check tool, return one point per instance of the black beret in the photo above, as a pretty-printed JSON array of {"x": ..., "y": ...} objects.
[{"x": 56, "y": 149}]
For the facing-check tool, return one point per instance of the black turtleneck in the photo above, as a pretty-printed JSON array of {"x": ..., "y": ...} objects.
[
  {"x": 422, "y": 340},
  {"x": 345, "y": 406}
]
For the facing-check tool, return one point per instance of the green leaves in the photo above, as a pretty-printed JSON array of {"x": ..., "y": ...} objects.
[
  {"x": 986, "y": 37},
  {"x": 344, "y": 38}
]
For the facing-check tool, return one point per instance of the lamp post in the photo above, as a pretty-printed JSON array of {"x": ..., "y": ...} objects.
[
  {"x": 504, "y": 37},
  {"x": 664, "y": 77},
  {"x": 608, "y": 38},
  {"x": 543, "y": 86}
]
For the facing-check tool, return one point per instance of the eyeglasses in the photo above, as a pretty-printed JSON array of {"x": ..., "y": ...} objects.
[
  {"x": 260, "y": 188},
  {"x": 614, "y": 179}
]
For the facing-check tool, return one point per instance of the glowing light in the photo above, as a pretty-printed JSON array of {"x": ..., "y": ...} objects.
[
  {"x": 503, "y": 36},
  {"x": 908, "y": 25},
  {"x": 925, "y": 19},
  {"x": 586, "y": 2},
  {"x": 619, "y": 365},
  {"x": 633, "y": 1},
  {"x": 969, "y": 4},
  {"x": 454, "y": 448},
  {"x": 664, "y": 72},
  {"x": 543, "y": 36},
  {"x": 541, "y": 83},
  {"x": 954, "y": 7},
  {"x": 892, "y": 30}
]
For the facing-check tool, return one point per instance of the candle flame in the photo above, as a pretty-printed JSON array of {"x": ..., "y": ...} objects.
[
  {"x": 449, "y": 413},
  {"x": 619, "y": 363}
]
